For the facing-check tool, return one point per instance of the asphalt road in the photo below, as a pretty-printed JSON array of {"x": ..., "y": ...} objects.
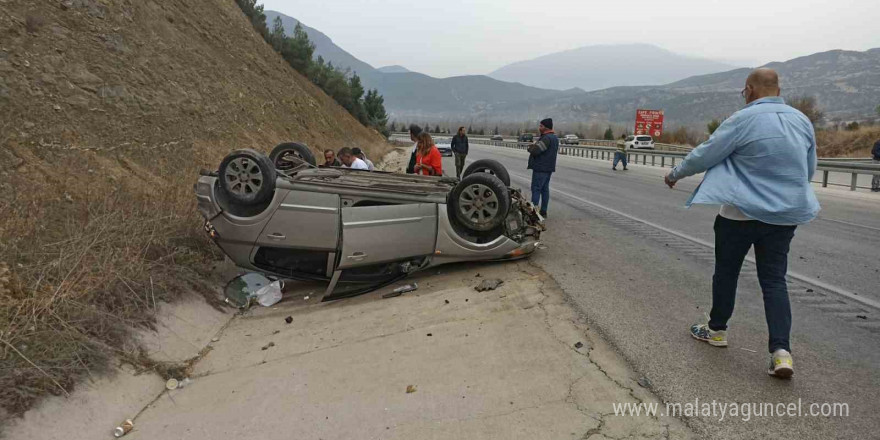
[{"x": 641, "y": 286}]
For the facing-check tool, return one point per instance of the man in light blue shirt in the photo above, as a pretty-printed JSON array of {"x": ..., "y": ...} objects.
[{"x": 758, "y": 166}]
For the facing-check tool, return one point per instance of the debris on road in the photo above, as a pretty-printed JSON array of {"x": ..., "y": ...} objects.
[
  {"x": 489, "y": 285},
  {"x": 171, "y": 384},
  {"x": 862, "y": 316},
  {"x": 392, "y": 294},
  {"x": 268, "y": 346},
  {"x": 242, "y": 290},
  {"x": 124, "y": 428},
  {"x": 183, "y": 383},
  {"x": 410, "y": 389},
  {"x": 579, "y": 345},
  {"x": 430, "y": 334},
  {"x": 215, "y": 339},
  {"x": 748, "y": 350},
  {"x": 644, "y": 382},
  {"x": 407, "y": 288},
  {"x": 276, "y": 332},
  {"x": 289, "y": 319}
]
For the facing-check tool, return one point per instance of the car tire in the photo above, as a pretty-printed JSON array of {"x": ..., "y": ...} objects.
[
  {"x": 480, "y": 202},
  {"x": 488, "y": 166},
  {"x": 292, "y": 156},
  {"x": 247, "y": 177}
]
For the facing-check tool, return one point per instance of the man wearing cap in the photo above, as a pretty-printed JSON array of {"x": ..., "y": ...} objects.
[{"x": 542, "y": 162}]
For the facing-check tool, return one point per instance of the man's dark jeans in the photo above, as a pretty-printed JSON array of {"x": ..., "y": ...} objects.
[
  {"x": 459, "y": 163},
  {"x": 541, "y": 189},
  {"x": 732, "y": 242}
]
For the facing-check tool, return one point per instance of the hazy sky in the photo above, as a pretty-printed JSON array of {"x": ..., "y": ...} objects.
[{"x": 456, "y": 37}]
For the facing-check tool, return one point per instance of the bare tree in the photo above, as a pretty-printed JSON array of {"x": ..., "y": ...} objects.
[{"x": 808, "y": 106}]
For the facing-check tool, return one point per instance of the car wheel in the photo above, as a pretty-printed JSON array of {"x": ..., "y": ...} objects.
[
  {"x": 247, "y": 177},
  {"x": 489, "y": 166},
  {"x": 480, "y": 202},
  {"x": 292, "y": 157}
]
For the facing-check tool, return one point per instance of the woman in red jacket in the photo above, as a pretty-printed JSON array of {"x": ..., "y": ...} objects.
[{"x": 428, "y": 160}]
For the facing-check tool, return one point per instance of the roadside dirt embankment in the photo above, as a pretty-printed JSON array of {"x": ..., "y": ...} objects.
[{"x": 107, "y": 111}]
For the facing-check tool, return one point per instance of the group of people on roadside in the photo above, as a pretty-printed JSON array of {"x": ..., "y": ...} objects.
[
  {"x": 353, "y": 158},
  {"x": 425, "y": 158}
]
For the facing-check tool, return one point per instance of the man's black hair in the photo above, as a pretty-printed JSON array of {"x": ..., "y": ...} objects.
[
  {"x": 415, "y": 130},
  {"x": 344, "y": 151}
]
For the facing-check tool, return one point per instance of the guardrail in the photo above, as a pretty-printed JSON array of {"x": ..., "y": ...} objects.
[
  {"x": 852, "y": 166},
  {"x": 584, "y": 142}
]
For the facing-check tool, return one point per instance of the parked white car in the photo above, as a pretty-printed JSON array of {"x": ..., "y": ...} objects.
[{"x": 639, "y": 142}]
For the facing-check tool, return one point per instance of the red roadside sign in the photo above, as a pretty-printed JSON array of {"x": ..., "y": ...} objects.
[{"x": 649, "y": 122}]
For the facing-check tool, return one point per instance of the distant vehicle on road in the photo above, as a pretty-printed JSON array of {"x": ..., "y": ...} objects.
[
  {"x": 444, "y": 145},
  {"x": 527, "y": 137},
  {"x": 570, "y": 139},
  {"x": 496, "y": 137},
  {"x": 640, "y": 142}
]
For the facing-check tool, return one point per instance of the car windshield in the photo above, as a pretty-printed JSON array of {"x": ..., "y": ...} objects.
[{"x": 644, "y": 138}]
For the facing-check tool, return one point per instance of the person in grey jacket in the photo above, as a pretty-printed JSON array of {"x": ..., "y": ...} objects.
[
  {"x": 460, "y": 150},
  {"x": 875, "y": 152}
]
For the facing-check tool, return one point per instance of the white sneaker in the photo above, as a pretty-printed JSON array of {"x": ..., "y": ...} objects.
[{"x": 781, "y": 364}]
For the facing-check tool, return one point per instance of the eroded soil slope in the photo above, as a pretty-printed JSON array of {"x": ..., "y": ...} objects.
[{"x": 108, "y": 108}]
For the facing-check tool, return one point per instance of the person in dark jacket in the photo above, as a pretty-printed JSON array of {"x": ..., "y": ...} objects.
[
  {"x": 542, "y": 162},
  {"x": 414, "y": 132},
  {"x": 460, "y": 150},
  {"x": 875, "y": 152}
]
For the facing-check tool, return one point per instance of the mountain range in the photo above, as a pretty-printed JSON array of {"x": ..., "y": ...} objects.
[
  {"x": 602, "y": 66},
  {"x": 845, "y": 83}
]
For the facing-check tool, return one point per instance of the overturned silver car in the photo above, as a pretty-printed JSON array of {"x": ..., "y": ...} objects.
[{"x": 359, "y": 230}]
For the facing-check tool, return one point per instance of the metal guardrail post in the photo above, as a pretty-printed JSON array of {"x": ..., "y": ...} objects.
[
  {"x": 673, "y": 162},
  {"x": 825, "y": 179},
  {"x": 855, "y": 179},
  {"x": 652, "y": 159},
  {"x": 662, "y": 161}
]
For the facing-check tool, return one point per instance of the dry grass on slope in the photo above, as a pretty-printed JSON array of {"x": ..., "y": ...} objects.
[
  {"x": 107, "y": 111},
  {"x": 845, "y": 143}
]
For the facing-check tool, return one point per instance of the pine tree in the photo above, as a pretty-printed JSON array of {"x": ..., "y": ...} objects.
[
  {"x": 609, "y": 134},
  {"x": 374, "y": 107},
  {"x": 298, "y": 50}
]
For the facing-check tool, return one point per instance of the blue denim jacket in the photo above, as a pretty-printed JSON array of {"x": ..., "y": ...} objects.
[{"x": 761, "y": 160}]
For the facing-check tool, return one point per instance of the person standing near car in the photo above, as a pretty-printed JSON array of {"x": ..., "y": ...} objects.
[
  {"x": 414, "y": 132},
  {"x": 428, "y": 159},
  {"x": 875, "y": 152},
  {"x": 351, "y": 161},
  {"x": 460, "y": 150},
  {"x": 758, "y": 164},
  {"x": 330, "y": 159},
  {"x": 360, "y": 155},
  {"x": 542, "y": 162},
  {"x": 620, "y": 154}
]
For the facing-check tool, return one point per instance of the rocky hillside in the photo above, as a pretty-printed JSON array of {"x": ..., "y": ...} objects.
[
  {"x": 845, "y": 83},
  {"x": 107, "y": 111}
]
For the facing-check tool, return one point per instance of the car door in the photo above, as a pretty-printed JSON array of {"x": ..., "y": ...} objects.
[
  {"x": 302, "y": 237},
  {"x": 378, "y": 234}
]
